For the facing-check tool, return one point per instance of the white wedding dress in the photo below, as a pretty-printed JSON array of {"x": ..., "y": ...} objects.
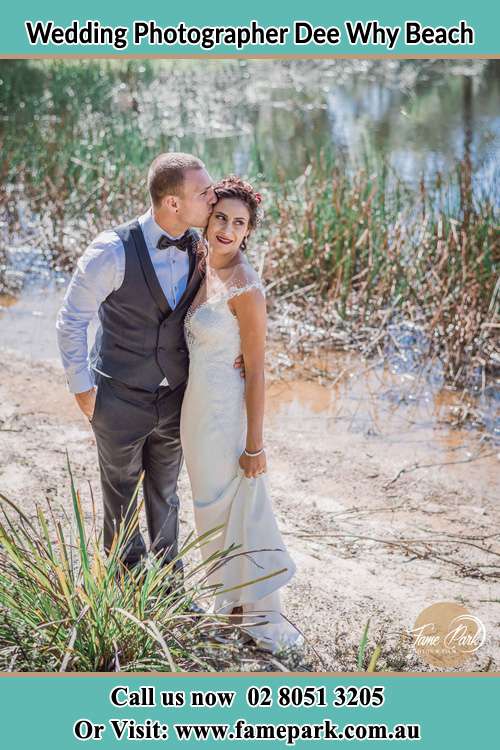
[{"x": 213, "y": 433}]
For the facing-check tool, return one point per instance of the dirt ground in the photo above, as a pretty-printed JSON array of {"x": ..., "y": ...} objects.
[{"x": 369, "y": 541}]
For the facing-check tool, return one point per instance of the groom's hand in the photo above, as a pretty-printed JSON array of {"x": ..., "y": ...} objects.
[
  {"x": 86, "y": 402},
  {"x": 239, "y": 363}
]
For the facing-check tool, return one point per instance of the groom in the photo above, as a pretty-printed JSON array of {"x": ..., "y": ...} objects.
[{"x": 140, "y": 279}]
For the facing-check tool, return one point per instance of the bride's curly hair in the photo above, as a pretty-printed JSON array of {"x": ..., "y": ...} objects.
[{"x": 234, "y": 187}]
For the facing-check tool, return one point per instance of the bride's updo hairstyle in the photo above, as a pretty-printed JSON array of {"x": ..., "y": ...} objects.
[{"x": 235, "y": 187}]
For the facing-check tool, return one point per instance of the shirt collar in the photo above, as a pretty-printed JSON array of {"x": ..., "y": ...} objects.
[{"x": 151, "y": 230}]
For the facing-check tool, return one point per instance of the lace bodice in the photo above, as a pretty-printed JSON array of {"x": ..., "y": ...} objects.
[
  {"x": 215, "y": 389},
  {"x": 210, "y": 326}
]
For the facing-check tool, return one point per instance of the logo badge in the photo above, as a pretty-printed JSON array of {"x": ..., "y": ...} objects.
[{"x": 446, "y": 634}]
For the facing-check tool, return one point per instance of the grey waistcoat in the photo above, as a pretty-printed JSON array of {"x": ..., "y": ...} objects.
[{"x": 142, "y": 338}]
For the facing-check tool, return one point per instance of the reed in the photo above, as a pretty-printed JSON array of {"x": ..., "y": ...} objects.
[{"x": 342, "y": 250}]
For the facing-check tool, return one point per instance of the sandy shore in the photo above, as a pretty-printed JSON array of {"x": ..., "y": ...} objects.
[{"x": 349, "y": 516}]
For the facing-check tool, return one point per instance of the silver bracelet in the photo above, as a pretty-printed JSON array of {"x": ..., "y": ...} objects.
[{"x": 252, "y": 455}]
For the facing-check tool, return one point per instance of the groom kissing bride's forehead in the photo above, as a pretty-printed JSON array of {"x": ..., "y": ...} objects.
[
  {"x": 181, "y": 191},
  {"x": 160, "y": 383},
  {"x": 139, "y": 279}
]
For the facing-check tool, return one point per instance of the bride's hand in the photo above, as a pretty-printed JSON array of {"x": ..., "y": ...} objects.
[{"x": 253, "y": 465}]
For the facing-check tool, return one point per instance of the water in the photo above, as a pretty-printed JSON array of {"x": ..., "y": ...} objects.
[
  {"x": 373, "y": 409},
  {"x": 268, "y": 117},
  {"x": 273, "y": 118}
]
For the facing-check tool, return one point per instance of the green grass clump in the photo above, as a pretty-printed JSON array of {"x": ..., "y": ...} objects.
[{"x": 65, "y": 606}]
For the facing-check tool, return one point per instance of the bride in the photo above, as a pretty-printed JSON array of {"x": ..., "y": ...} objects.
[{"x": 222, "y": 425}]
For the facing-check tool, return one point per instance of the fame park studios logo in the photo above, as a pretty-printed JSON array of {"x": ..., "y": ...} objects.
[{"x": 446, "y": 634}]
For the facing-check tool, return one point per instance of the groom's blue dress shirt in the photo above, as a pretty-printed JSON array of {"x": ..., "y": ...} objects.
[{"x": 100, "y": 271}]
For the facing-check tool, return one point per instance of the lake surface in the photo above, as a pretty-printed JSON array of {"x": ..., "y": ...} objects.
[{"x": 272, "y": 117}]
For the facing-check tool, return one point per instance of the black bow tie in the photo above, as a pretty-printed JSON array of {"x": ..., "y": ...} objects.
[{"x": 181, "y": 243}]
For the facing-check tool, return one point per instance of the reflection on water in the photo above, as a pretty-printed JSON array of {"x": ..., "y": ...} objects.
[
  {"x": 375, "y": 403},
  {"x": 370, "y": 398},
  {"x": 270, "y": 117},
  {"x": 28, "y": 327},
  {"x": 7, "y": 300},
  {"x": 274, "y": 118}
]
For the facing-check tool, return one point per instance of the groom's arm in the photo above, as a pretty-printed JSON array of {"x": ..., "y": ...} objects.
[{"x": 99, "y": 271}]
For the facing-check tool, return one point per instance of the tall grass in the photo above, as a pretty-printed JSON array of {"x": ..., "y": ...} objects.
[
  {"x": 345, "y": 252},
  {"x": 64, "y": 606}
]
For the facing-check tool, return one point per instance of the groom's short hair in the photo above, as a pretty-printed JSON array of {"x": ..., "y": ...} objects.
[{"x": 166, "y": 174}]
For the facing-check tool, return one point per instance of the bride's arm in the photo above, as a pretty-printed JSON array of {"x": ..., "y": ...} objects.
[{"x": 250, "y": 309}]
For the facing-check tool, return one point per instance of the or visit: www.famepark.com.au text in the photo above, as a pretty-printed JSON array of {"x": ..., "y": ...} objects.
[{"x": 291, "y": 733}]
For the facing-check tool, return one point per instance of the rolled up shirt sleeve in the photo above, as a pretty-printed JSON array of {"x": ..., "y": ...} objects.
[{"x": 99, "y": 272}]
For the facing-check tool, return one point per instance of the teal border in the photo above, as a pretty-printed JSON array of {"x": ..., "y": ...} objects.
[
  {"x": 482, "y": 15},
  {"x": 456, "y": 712}
]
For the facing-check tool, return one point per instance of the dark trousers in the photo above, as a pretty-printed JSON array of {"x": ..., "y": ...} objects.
[{"x": 139, "y": 431}]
